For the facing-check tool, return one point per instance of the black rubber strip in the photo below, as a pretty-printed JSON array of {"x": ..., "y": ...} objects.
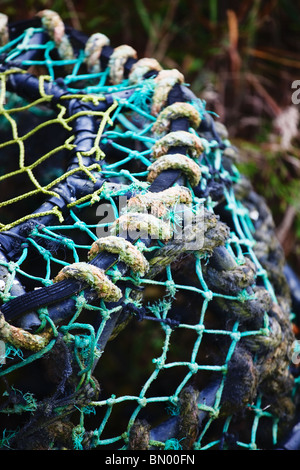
[
  {"x": 53, "y": 294},
  {"x": 42, "y": 296},
  {"x": 105, "y": 56},
  {"x": 78, "y": 38},
  {"x": 18, "y": 27},
  {"x": 165, "y": 180}
]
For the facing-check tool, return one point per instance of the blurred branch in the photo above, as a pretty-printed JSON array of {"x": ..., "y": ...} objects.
[
  {"x": 252, "y": 79},
  {"x": 286, "y": 224},
  {"x": 213, "y": 8},
  {"x": 274, "y": 58},
  {"x": 73, "y": 15},
  {"x": 159, "y": 30},
  {"x": 235, "y": 60}
]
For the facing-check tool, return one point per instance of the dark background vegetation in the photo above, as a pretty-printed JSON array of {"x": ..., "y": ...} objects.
[{"x": 240, "y": 56}]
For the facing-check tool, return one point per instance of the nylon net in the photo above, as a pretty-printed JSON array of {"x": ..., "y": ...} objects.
[{"x": 177, "y": 340}]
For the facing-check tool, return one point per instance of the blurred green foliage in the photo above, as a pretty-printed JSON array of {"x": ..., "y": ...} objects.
[{"x": 240, "y": 57}]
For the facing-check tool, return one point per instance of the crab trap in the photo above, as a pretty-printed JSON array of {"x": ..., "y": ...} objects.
[{"x": 143, "y": 293}]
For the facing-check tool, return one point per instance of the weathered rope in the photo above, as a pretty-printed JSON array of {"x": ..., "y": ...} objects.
[
  {"x": 93, "y": 276},
  {"x": 117, "y": 61},
  {"x": 56, "y": 30},
  {"x": 93, "y": 49},
  {"x": 141, "y": 68},
  {"x": 162, "y": 124},
  {"x": 4, "y": 35},
  {"x": 175, "y": 139},
  {"x": 164, "y": 82},
  {"x": 175, "y": 161},
  {"x": 126, "y": 251}
]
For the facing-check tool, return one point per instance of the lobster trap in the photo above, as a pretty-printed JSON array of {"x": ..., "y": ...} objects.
[{"x": 144, "y": 301}]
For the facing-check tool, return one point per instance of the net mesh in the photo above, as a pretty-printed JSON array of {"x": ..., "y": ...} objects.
[{"x": 217, "y": 374}]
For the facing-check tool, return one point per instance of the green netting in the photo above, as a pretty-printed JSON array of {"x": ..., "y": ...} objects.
[{"x": 227, "y": 357}]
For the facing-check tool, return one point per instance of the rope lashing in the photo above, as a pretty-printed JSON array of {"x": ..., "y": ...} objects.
[
  {"x": 93, "y": 49},
  {"x": 20, "y": 338},
  {"x": 95, "y": 277},
  {"x": 117, "y": 61},
  {"x": 160, "y": 203},
  {"x": 174, "y": 111},
  {"x": 175, "y": 161},
  {"x": 128, "y": 253},
  {"x": 55, "y": 27},
  {"x": 175, "y": 139},
  {"x": 164, "y": 82},
  {"x": 4, "y": 36},
  {"x": 141, "y": 68},
  {"x": 144, "y": 224}
]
